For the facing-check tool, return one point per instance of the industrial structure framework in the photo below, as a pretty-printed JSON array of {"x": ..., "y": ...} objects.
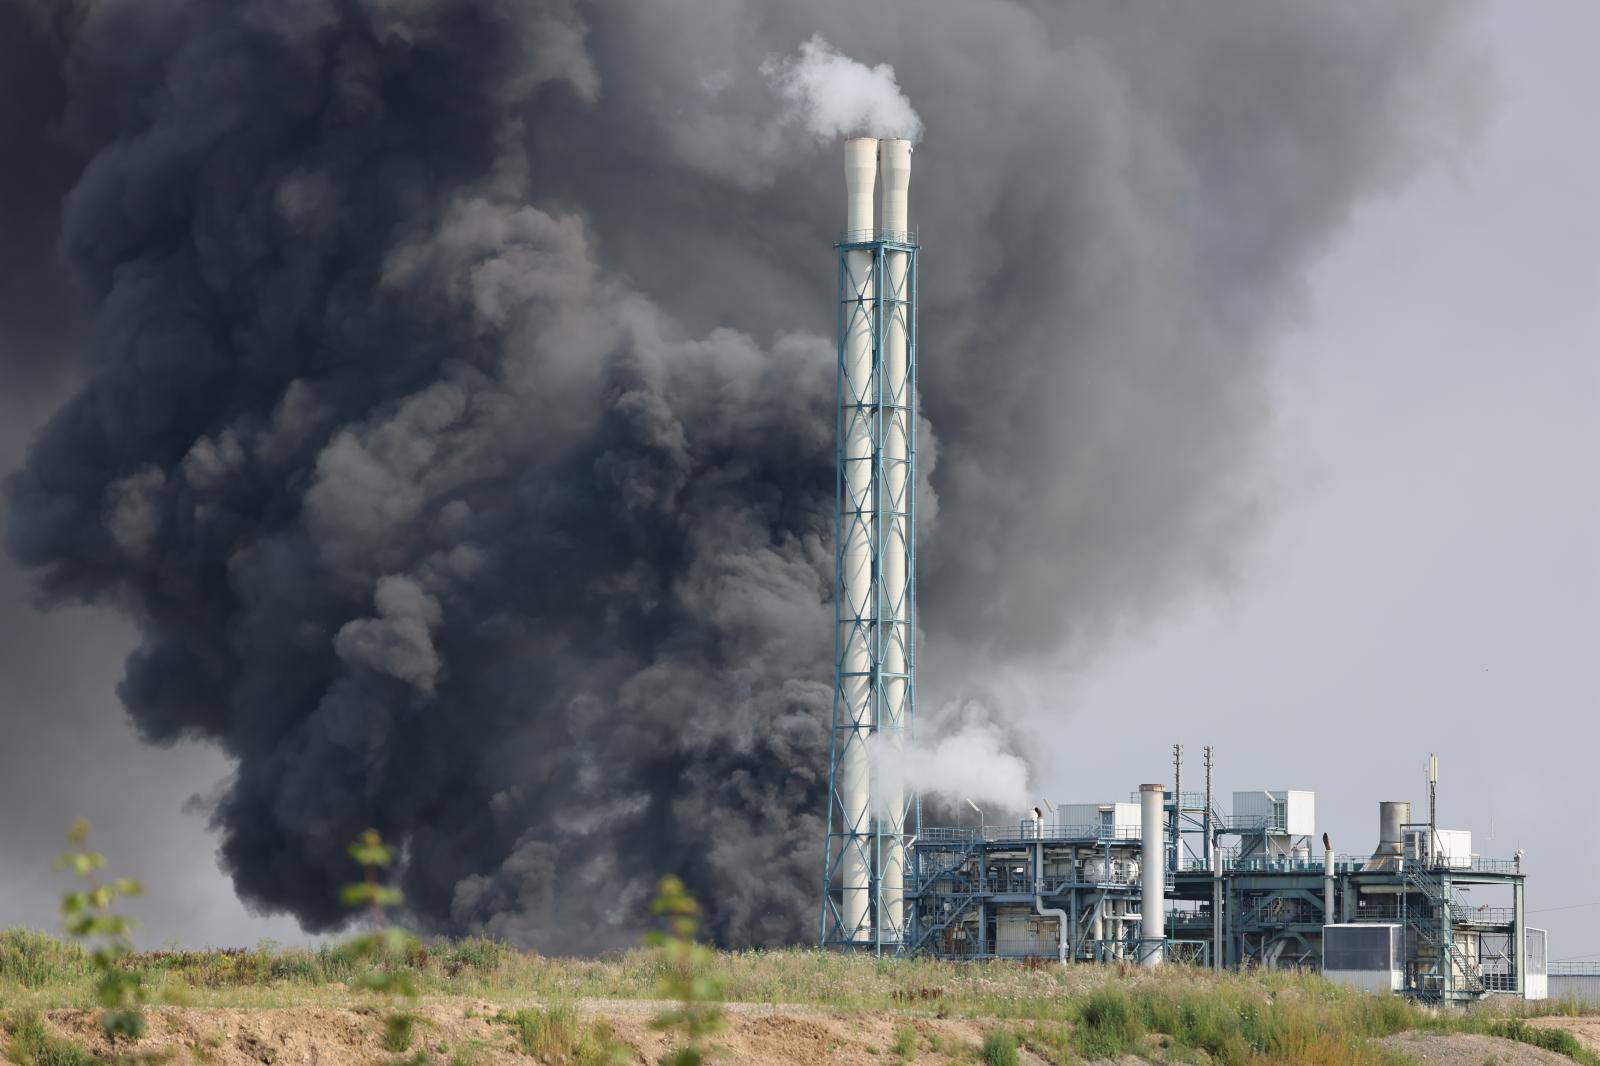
[
  {"x": 869, "y": 830},
  {"x": 1166, "y": 876},
  {"x": 1169, "y": 877}
]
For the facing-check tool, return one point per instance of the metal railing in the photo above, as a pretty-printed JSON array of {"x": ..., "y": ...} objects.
[
  {"x": 1574, "y": 969},
  {"x": 1258, "y": 823},
  {"x": 1027, "y": 832},
  {"x": 1192, "y": 801},
  {"x": 1463, "y": 914},
  {"x": 1230, "y": 859},
  {"x": 873, "y": 236}
]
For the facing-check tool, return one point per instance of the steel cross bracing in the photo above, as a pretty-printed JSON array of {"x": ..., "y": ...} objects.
[{"x": 875, "y": 609}]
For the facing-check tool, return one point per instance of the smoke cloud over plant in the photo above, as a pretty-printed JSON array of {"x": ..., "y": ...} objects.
[{"x": 455, "y": 400}]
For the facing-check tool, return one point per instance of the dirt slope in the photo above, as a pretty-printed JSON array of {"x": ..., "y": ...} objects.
[
  {"x": 1470, "y": 1049},
  {"x": 757, "y": 1035},
  {"x": 1587, "y": 1030}
]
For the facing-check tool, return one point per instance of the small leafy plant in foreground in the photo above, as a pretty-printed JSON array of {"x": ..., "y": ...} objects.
[
  {"x": 89, "y": 916},
  {"x": 383, "y": 948},
  {"x": 687, "y": 974}
]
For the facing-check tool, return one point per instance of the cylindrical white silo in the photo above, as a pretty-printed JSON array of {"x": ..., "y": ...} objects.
[
  {"x": 1153, "y": 904},
  {"x": 856, "y": 608},
  {"x": 894, "y": 179}
]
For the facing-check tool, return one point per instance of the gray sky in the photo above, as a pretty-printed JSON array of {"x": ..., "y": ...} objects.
[
  {"x": 1427, "y": 582},
  {"x": 1431, "y": 580}
]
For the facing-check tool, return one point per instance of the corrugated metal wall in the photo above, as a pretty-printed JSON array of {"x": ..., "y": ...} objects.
[{"x": 1583, "y": 987}]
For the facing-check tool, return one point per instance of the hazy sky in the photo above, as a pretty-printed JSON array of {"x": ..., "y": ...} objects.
[
  {"x": 1431, "y": 581},
  {"x": 1428, "y": 580}
]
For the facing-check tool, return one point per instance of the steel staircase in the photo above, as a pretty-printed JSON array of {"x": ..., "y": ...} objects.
[{"x": 1469, "y": 982}]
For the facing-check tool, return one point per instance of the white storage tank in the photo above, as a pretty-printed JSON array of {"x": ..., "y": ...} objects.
[
  {"x": 1101, "y": 871},
  {"x": 1369, "y": 955}
]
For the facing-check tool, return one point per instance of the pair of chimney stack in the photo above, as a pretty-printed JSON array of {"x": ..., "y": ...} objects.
[{"x": 881, "y": 167}]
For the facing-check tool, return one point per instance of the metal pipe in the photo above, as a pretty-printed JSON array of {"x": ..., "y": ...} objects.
[
  {"x": 855, "y": 610},
  {"x": 1327, "y": 880},
  {"x": 1154, "y": 902},
  {"x": 1048, "y": 912}
]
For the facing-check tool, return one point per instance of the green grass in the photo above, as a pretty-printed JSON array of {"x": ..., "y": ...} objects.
[
  {"x": 1062, "y": 1014},
  {"x": 399, "y": 1029},
  {"x": 545, "y": 1032},
  {"x": 1557, "y": 1040},
  {"x": 30, "y": 1044},
  {"x": 1000, "y": 1049},
  {"x": 33, "y": 959},
  {"x": 1107, "y": 1024},
  {"x": 557, "y": 1034}
]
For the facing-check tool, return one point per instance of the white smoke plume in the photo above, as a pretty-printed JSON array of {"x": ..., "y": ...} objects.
[
  {"x": 834, "y": 95},
  {"x": 969, "y": 756}
]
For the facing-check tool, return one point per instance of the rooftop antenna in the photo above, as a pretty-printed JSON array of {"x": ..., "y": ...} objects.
[
  {"x": 1433, "y": 792},
  {"x": 1177, "y": 807},
  {"x": 1433, "y": 803}
]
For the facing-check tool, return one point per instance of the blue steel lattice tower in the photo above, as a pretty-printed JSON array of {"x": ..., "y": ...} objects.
[{"x": 871, "y": 823}]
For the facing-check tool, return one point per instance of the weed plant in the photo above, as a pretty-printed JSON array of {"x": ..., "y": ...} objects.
[
  {"x": 1000, "y": 1049},
  {"x": 89, "y": 915},
  {"x": 687, "y": 974}
]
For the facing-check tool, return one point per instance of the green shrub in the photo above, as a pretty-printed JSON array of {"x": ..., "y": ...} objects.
[
  {"x": 905, "y": 1042},
  {"x": 551, "y": 1032},
  {"x": 1054, "y": 1044},
  {"x": 601, "y": 1047},
  {"x": 1107, "y": 1025},
  {"x": 475, "y": 953},
  {"x": 31, "y": 1044},
  {"x": 1000, "y": 1049},
  {"x": 33, "y": 959},
  {"x": 1558, "y": 1040},
  {"x": 398, "y": 1030}
]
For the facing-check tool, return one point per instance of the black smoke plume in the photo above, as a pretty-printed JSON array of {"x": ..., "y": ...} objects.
[{"x": 455, "y": 415}]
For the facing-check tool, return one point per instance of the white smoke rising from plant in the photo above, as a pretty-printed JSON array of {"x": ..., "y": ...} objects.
[
  {"x": 972, "y": 759},
  {"x": 835, "y": 95}
]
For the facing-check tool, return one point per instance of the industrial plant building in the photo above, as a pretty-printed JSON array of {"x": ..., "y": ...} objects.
[
  {"x": 1165, "y": 876},
  {"x": 1169, "y": 876}
]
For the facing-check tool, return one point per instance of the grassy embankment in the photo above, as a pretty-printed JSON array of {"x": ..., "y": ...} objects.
[{"x": 1061, "y": 1015}]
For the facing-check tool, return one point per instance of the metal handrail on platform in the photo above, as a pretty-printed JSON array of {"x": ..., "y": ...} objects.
[{"x": 874, "y": 236}]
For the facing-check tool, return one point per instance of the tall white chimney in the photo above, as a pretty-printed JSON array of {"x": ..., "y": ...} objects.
[
  {"x": 855, "y": 799},
  {"x": 894, "y": 180}
]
